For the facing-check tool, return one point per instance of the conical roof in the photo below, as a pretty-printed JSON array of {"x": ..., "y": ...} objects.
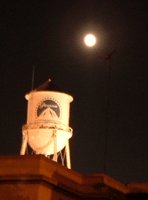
[{"x": 48, "y": 86}]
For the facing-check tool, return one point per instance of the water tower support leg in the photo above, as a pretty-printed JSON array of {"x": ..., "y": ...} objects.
[
  {"x": 68, "y": 154},
  {"x": 55, "y": 146},
  {"x": 24, "y": 144}
]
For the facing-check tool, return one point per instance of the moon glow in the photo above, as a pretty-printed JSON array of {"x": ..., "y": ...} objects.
[{"x": 90, "y": 40}]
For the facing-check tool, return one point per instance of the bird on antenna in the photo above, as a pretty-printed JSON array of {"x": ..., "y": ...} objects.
[
  {"x": 106, "y": 56},
  {"x": 110, "y": 55}
]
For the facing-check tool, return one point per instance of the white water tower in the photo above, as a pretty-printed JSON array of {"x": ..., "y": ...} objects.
[{"x": 47, "y": 129}]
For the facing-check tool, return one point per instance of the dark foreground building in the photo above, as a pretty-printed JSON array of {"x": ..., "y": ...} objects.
[{"x": 35, "y": 177}]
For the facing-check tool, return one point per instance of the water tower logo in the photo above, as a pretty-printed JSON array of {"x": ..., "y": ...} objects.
[{"x": 48, "y": 110}]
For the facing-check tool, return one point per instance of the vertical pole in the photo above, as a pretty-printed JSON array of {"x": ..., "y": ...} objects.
[
  {"x": 107, "y": 119},
  {"x": 55, "y": 145},
  {"x": 68, "y": 154},
  {"x": 24, "y": 144}
]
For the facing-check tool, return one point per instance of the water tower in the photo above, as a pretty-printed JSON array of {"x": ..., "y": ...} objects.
[{"x": 47, "y": 129}]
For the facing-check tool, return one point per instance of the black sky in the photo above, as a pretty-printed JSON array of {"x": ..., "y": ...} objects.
[{"x": 50, "y": 36}]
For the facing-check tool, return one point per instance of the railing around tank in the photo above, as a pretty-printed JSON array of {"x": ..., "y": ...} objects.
[{"x": 47, "y": 125}]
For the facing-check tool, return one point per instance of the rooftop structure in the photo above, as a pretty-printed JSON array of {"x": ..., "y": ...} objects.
[{"x": 30, "y": 177}]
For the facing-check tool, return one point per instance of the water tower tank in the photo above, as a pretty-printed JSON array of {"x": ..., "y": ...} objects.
[{"x": 47, "y": 119}]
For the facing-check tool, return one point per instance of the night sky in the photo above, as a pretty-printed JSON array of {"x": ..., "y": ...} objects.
[{"x": 50, "y": 35}]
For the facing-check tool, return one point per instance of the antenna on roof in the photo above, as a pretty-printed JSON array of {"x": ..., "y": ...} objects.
[
  {"x": 107, "y": 114},
  {"x": 33, "y": 72}
]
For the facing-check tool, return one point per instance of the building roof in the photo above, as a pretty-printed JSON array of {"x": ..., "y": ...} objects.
[{"x": 38, "y": 175}]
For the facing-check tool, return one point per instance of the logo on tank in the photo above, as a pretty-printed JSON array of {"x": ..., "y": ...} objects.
[{"x": 48, "y": 109}]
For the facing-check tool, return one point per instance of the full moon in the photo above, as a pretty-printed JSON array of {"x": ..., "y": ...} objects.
[{"x": 90, "y": 40}]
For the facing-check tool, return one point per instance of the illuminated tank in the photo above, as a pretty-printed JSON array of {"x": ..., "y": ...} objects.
[{"x": 47, "y": 128}]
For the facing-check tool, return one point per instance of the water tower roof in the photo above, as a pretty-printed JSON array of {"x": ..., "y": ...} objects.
[{"x": 48, "y": 86}]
